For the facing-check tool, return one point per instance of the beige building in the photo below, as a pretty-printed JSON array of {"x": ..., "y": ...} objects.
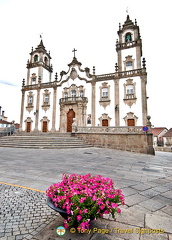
[{"x": 111, "y": 99}]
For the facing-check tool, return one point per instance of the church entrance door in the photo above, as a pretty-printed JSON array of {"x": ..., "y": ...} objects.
[
  {"x": 104, "y": 122},
  {"x": 28, "y": 126},
  {"x": 44, "y": 129},
  {"x": 70, "y": 116},
  {"x": 131, "y": 122}
]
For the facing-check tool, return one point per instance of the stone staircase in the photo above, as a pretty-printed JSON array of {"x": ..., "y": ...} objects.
[{"x": 43, "y": 141}]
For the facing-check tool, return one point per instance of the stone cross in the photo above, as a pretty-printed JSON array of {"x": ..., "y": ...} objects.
[{"x": 74, "y": 50}]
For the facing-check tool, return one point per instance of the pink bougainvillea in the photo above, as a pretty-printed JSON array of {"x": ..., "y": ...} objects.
[{"x": 85, "y": 197}]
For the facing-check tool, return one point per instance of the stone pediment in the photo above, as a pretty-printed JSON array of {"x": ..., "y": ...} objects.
[{"x": 75, "y": 71}]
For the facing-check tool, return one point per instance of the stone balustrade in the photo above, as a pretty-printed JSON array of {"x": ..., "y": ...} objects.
[{"x": 128, "y": 129}]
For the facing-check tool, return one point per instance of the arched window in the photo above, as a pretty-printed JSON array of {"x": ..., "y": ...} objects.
[
  {"x": 128, "y": 37},
  {"x": 36, "y": 58},
  {"x": 46, "y": 60}
]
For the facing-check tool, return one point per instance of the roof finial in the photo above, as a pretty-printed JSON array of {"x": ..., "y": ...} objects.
[
  {"x": 40, "y": 35},
  {"x": 127, "y": 10}
]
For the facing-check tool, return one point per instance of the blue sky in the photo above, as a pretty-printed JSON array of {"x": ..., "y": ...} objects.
[{"x": 91, "y": 27}]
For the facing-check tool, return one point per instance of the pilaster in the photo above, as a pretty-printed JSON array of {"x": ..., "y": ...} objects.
[
  {"x": 144, "y": 99},
  {"x": 37, "y": 105},
  {"x": 116, "y": 90},
  {"x": 93, "y": 104},
  {"x": 54, "y": 109},
  {"x": 22, "y": 110}
]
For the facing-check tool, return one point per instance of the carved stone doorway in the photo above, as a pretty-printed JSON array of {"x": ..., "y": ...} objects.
[
  {"x": 28, "y": 126},
  {"x": 44, "y": 126},
  {"x": 104, "y": 122},
  {"x": 130, "y": 122},
  {"x": 70, "y": 116}
]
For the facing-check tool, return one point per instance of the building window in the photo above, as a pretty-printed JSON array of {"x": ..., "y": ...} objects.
[
  {"x": 128, "y": 37},
  {"x": 129, "y": 89},
  {"x": 128, "y": 63},
  {"x": 81, "y": 93},
  {"x": 30, "y": 100},
  {"x": 46, "y": 98},
  {"x": 105, "y": 92},
  {"x": 36, "y": 58},
  {"x": 73, "y": 94},
  {"x": 65, "y": 95},
  {"x": 46, "y": 60}
]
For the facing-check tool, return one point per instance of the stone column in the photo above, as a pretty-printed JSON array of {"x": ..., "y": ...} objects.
[
  {"x": 93, "y": 103},
  {"x": 117, "y": 107},
  {"x": 54, "y": 110},
  {"x": 22, "y": 110},
  {"x": 144, "y": 99}
]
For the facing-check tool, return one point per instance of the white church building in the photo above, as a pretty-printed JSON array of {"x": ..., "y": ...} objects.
[{"x": 111, "y": 99}]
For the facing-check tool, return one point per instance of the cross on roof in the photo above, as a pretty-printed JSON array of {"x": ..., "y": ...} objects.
[{"x": 74, "y": 50}]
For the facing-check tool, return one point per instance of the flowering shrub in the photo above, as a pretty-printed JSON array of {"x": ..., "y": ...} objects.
[{"x": 85, "y": 197}]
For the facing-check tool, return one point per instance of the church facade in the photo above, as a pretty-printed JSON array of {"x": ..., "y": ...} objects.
[{"x": 112, "y": 99}]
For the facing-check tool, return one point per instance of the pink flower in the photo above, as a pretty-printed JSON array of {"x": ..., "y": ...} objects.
[
  {"x": 79, "y": 217},
  {"x": 114, "y": 205},
  {"x": 118, "y": 210},
  {"x": 85, "y": 210},
  {"x": 102, "y": 206},
  {"x": 94, "y": 198},
  {"x": 82, "y": 199}
]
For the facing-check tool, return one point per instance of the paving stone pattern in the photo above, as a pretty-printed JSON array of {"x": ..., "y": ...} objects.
[{"x": 23, "y": 213}]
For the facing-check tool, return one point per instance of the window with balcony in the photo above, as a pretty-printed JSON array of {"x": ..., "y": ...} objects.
[
  {"x": 81, "y": 93},
  {"x": 73, "y": 94},
  {"x": 105, "y": 92},
  {"x": 46, "y": 99},
  {"x": 129, "y": 92}
]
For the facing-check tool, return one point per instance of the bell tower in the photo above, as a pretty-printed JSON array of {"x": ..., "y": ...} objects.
[
  {"x": 129, "y": 46},
  {"x": 39, "y": 66}
]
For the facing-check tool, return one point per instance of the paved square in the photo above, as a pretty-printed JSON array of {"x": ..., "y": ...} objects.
[{"x": 146, "y": 180}]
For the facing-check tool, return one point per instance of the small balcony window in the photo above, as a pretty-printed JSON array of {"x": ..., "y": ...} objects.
[
  {"x": 46, "y": 98},
  {"x": 104, "y": 92},
  {"x": 129, "y": 89},
  {"x": 81, "y": 93}
]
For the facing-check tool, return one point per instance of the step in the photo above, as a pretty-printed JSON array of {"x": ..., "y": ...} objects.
[{"x": 43, "y": 141}]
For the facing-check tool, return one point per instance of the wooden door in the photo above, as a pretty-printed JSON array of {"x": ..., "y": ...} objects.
[
  {"x": 44, "y": 129},
  {"x": 104, "y": 122},
  {"x": 130, "y": 122},
  {"x": 28, "y": 127},
  {"x": 70, "y": 116}
]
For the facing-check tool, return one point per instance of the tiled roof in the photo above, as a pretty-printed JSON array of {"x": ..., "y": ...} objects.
[
  {"x": 169, "y": 133},
  {"x": 158, "y": 130}
]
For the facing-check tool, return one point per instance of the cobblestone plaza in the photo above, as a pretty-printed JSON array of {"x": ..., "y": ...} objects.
[{"x": 25, "y": 174}]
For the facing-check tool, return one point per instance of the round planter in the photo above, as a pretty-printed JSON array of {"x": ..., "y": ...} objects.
[{"x": 59, "y": 210}]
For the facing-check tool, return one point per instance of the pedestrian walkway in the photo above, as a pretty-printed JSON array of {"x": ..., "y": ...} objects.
[{"x": 146, "y": 182}]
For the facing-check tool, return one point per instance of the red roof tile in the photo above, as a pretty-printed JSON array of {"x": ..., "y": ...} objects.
[
  {"x": 158, "y": 130},
  {"x": 169, "y": 133}
]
